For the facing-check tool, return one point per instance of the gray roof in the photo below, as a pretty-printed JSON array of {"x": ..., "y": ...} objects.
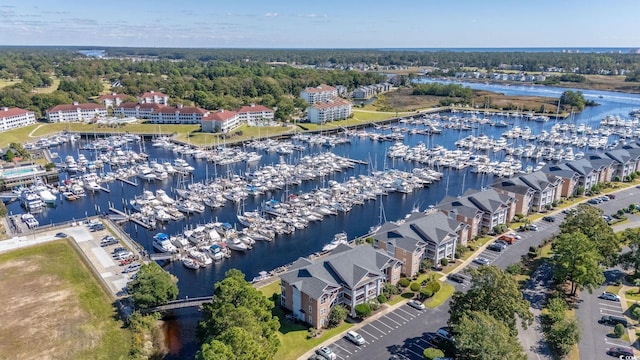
[
  {"x": 620, "y": 155},
  {"x": 344, "y": 266},
  {"x": 561, "y": 170},
  {"x": 583, "y": 166},
  {"x": 538, "y": 180},
  {"x": 428, "y": 228},
  {"x": 490, "y": 200},
  {"x": 460, "y": 205}
]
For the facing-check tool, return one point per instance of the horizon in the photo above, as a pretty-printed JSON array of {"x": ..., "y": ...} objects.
[{"x": 328, "y": 25}]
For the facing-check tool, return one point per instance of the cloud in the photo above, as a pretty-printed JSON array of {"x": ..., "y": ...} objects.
[{"x": 271, "y": 14}]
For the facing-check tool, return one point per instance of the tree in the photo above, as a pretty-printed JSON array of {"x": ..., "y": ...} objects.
[
  {"x": 588, "y": 221},
  {"x": 152, "y": 286},
  {"x": 8, "y": 156},
  {"x": 631, "y": 258},
  {"x": 560, "y": 332},
  {"x": 240, "y": 317},
  {"x": 618, "y": 330},
  {"x": 337, "y": 315},
  {"x": 215, "y": 350},
  {"x": 494, "y": 291},
  {"x": 479, "y": 336},
  {"x": 576, "y": 260}
]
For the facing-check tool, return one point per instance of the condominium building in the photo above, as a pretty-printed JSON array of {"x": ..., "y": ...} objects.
[
  {"x": 139, "y": 111},
  {"x": 152, "y": 97},
  {"x": 76, "y": 112},
  {"x": 11, "y": 118},
  {"x": 330, "y": 110},
  {"x": 253, "y": 113},
  {"x": 178, "y": 115},
  {"x": 112, "y": 100},
  {"x": 220, "y": 121},
  {"x": 321, "y": 93}
]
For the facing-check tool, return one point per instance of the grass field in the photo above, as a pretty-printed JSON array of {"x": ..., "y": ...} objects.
[
  {"x": 50, "y": 295},
  {"x": 5, "y": 83}
]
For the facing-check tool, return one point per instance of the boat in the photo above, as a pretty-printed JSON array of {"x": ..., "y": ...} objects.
[
  {"x": 162, "y": 243},
  {"x": 203, "y": 259},
  {"x": 31, "y": 201},
  {"x": 47, "y": 197},
  {"x": 237, "y": 245},
  {"x": 262, "y": 275},
  {"x": 216, "y": 252},
  {"x": 190, "y": 263},
  {"x": 30, "y": 221},
  {"x": 339, "y": 238},
  {"x": 181, "y": 165},
  {"x": 68, "y": 195}
]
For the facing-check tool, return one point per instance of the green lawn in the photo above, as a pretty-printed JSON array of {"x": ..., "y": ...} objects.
[
  {"x": 269, "y": 290},
  {"x": 5, "y": 83},
  {"x": 446, "y": 290},
  {"x": 631, "y": 294},
  {"x": 369, "y": 116}
]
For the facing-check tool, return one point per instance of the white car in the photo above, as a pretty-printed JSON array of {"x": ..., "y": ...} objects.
[
  {"x": 481, "y": 261},
  {"x": 416, "y": 304},
  {"x": 355, "y": 338},
  {"x": 610, "y": 296},
  {"x": 326, "y": 353}
]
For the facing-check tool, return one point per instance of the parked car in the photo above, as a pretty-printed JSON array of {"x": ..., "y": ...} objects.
[
  {"x": 107, "y": 242},
  {"x": 481, "y": 261},
  {"x": 620, "y": 352},
  {"x": 594, "y": 201},
  {"x": 416, "y": 304},
  {"x": 326, "y": 353},
  {"x": 549, "y": 219},
  {"x": 496, "y": 246},
  {"x": 445, "y": 332},
  {"x": 502, "y": 242},
  {"x": 509, "y": 239},
  {"x": 355, "y": 338},
  {"x": 61, "y": 235},
  {"x": 119, "y": 249},
  {"x": 532, "y": 227},
  {"x": 456, "y": 277},
  {"x": 132, "y": 267},
  {"x": 604, "y": 198},
  {"x": 609, "y": 296},
  {"x": 613, "y": 320},
  {"x": 611, "y": 196}
]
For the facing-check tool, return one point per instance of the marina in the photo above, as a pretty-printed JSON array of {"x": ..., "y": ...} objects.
[{"x": 459, "y": 150}]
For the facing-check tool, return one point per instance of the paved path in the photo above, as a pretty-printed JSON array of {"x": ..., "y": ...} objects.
[
  {"x": 34, "y": 130},
  {"x": 536, "y": 292}
]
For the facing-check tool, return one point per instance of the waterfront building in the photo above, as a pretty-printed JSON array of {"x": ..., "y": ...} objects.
[
  {"x": 153, "y": 97},
  {"x": 626, "y": 158},
  {"x": 347, "y": 276},
  {"x": 406, "y": 247},
  {"x": 330, "y": 110},
  {"x": 318, "y": 94},
  {"x": 11, "y": 118},
  {"x": 462, "y": 210},
  {"x": 178, "y": 115},
  {"x": 366, "y": 92},
  {"x": 112, "y": 100},
  {"x": 532, "y": 192},
  {"x": 570, "y": 178},
  {"x": 253, "y": 113},
  {"x": 220, "y": 121},
  {"x": 139, "y": 111},
  {"x": 76, "y": 112}
]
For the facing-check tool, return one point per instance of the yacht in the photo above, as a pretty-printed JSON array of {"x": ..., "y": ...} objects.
[
  {"x": 47, "y": 197},
  {"x": 190, "y": 263},
  {"x": 181, "y": 165},
  {"x": 202, "y": 258},
  {"x": 161, "y": 215},
  {"x": 162, "y": 196},
  {"x": 162, "y": 243},
  {"x": 339, "y": 238},
  {"x": 237, "y": 245},
  {"x": 30, "y": 220},
  {"x": 31, "y": 201},
  {"x": 146, "y": 173},
  {"x": 215, "y": 252}
]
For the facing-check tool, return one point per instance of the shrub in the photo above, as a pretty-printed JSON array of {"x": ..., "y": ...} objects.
[
  {"x": 619, "y": 330},
  {"x": 313, "y": 332},
  {"x": 635, "y": 312},
  {"x": 363, "y": 310},
  {"x": 426, "y": 293},
  {"x": 514, "y": 269},
  {"x": 337, "y": 315},
  {"x": 389, "y": 289},
  {"x": 415, "y": 286},
  {"x": 374, "y": 304},
  {"x": 444, "y": 261},
  {"x": 404, "y": 282},
  {"x": 382, "y": 299},
  {"x": 432, "y": 353}
]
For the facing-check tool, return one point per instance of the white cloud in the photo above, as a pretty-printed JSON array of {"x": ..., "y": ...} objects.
[{"x": 271, "y": 14}]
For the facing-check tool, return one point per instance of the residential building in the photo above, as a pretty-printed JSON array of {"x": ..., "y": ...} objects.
[
  {"x": 11, "y": 118},
  {"x": 462, "y": 210},
  {"x": 220, "y": 121},
  {"x": 112, "y": 100},
  {"x": 532, "y": 192},
  {"x": 365, "y": 92},
  {"x": 152, "y": 97},
  {"x": 334, "y": 109},
  {"x": 321, "y": 93},
  {"x": 76, "y": 112},
  {"x": 627, "y": 158},
  {"x": 178, "y": 115},
  {"x": 402, "y": 245},
  {"x": 348, "y": 276},
  {"x": 570, "y": 178},
  {"x": 254, "y": 113},
  {"x": 139, "y": 111}
]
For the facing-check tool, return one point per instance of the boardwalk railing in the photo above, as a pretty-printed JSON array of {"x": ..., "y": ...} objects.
[{"x": 178, "y": 304}]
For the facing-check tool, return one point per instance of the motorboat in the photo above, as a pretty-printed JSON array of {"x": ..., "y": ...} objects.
[
  {"x": 181, "y": 165},
  {"x": 161, "y": 215},
  {"x": 262, "y": 275},
  {"x": 47, "y": 197},
  {"x": 162, "y": 243},
  {"x": 162, "y": 196},
  {"x": 216, "y": 252},
  {"x": 30, "y": 221},
  {"x": 339, "y": 238},
  {"x": 236, "y": 244},
  {"x": 202, "y": 258},
  {"x": 190, "y": 263}
]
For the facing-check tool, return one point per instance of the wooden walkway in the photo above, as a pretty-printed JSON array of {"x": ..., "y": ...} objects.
[{"x": 178, "y": 304}]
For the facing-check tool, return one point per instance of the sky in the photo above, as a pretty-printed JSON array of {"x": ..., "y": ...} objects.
[{"x": 322, "y": 24}]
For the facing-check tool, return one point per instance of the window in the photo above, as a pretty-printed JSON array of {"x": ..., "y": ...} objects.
[
  {"x": 310, "y": 309},
  {"x": 323, "y": 300},
  {"x": 323, "y": 311}
]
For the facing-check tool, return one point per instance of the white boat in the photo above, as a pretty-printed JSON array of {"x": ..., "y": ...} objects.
[
  {"x": 339, "y": 238},
  {"x": 146, "y": 173},
  {"x": 215, "y": 252},
  {"x": 161, "y": 215},
  {"x": 181, "y": 165},
  {"x": 190, "y": 263},
  {"x": 202, "y": 258},
  {"x": 162, "y": 243},
  {"x": 30, "y": 220},
  {"x": 162, "y": 196},
  {"x": 237, "y": 245},
  {"x": 92, "y": 186},
  {"x": 47, "y": 196},
  {"x": 262, "y": 275},
  {"x": 31, "y": 201}
]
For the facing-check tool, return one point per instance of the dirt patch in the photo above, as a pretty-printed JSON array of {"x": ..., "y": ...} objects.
[{"x": 41, "y": 315}]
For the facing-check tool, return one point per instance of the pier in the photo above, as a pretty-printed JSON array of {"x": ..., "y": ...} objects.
[
  {"x": 178, "y": 304},
  {"x": 127, "y": 181}
]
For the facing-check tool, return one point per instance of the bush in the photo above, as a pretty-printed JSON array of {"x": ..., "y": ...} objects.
[
  {"x": 374, "y": 304},
  {"x": 618, "y": 330},
  {"x": 433, "y": 286},
  {"x": 382, "y": 299},
  {"x": 404, "y": 282},
  {"x": 514, "y": 269},
  {"x": 313, "y": 332},
  {"x": 635, "y": 312},
  {"x": 337, "y": 315},
  {"x": 444, "y": 261},
  {"x": 363, "y": 310},
  {"x": 415, "y": 286},
  {"x": 432, "y": 353},
  {"x": 426, "y": 293},
  {"x": 389, "y": 289}
]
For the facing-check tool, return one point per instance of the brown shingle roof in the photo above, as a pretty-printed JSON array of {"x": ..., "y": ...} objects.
[
  {"x": 75, "y": 107},
  {"x": 9, "y": 112}
]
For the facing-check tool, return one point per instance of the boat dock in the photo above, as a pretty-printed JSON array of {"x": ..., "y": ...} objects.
[{"x": 127, "y": 181}]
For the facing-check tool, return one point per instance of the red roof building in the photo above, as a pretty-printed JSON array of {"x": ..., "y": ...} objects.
[
  {"x": 254, "y": 113},
  {"x": 319, "y": 93},
  {"x": 112, "y": 100},
  {"x": 76, "y": 112},
  {"x": 220, "y": 121},
  {"x": 333, "y": 109},
  {"x": 154, "y": 98},
  {"x": 11, "y": 118}
]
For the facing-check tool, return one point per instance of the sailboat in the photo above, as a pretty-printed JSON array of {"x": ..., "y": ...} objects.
[{"x": 381, "y": 219}]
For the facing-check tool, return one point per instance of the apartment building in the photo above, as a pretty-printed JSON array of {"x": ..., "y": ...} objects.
[
  {"x": 11, "y": 118},
  {"x": 76, "y": 112}
]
